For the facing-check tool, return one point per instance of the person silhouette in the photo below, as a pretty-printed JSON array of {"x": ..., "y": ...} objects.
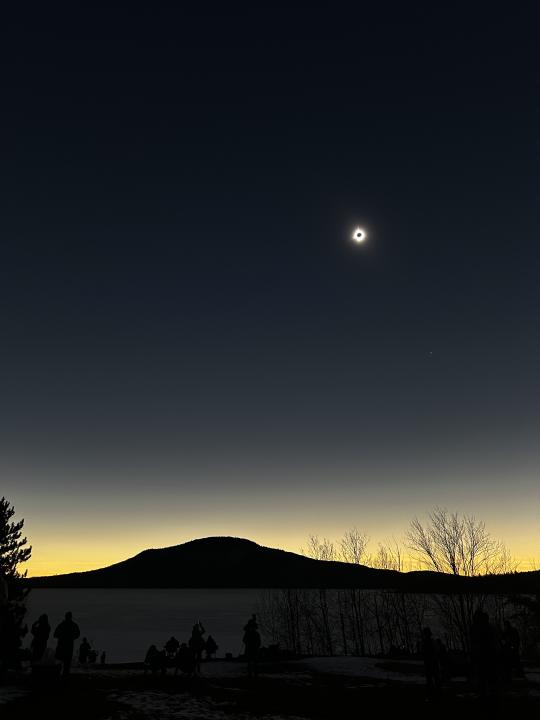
[
  {"x": 155, "y": 661},
  {"x": 171, "y": 647},
  {"x": 431, "y": 665},
  {"x": 251, "y": 623},
  {"x": 441, "y": 655},
  {"x": 84, "y": 651},
  {"x": 211, "y": 647},
  {"x": 197, "y": 643},
  {"x": 252, "y": 644},
  {"x": 511, "y": 648},
  {"x": 66, "y": 633},
  {"x": 483, "y": 651},
  {"x": 12, "y": 633},
  {"x": 40, "y": 636},
  {"x": 150, "y": 659},
  {"x": 185, "y": 660}
]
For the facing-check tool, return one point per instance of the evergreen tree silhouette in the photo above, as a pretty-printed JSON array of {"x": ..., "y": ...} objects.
[{"x": 14, "y": 551}]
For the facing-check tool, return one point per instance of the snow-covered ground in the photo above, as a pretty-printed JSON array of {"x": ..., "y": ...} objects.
[
  {"x": 221, "y": 693},
  {"x": 364, "y": 667},
  {"x": 179, "y": 707},
  {"x": 9, "y": 693},
  {"x": 183, "y": 706},
  {"x": 162, "y": 702},
  {"x": 291, "y": 671}
]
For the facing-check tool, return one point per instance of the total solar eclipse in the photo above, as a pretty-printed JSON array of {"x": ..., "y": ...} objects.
[{"x": 359, "y": 235}]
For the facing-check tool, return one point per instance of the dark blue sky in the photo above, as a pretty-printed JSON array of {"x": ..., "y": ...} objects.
[{"x": 190, "y": 342}]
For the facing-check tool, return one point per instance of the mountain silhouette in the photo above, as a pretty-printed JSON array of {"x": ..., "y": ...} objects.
[{"x": 228, "y": 562}]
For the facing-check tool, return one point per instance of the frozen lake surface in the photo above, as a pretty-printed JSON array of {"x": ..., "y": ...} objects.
[{"x": 125, "y": 623}]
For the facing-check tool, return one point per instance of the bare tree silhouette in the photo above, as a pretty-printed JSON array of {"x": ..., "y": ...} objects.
[
  {"x": 388, "y": 557},
  {"x": 458, "y": 544},
  {"x": 319, "y": 549},
  {"x": 353, "y": 547}
]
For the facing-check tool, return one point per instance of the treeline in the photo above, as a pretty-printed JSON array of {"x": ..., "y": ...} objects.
[
  {"x": 448, "y": 542},
  {"x": 343, "y": 622},
  {"x": 386, "y": 622},
  {"x": 389, "y": 622}
]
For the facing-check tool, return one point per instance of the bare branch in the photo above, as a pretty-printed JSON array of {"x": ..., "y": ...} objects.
[
  {"x": 457, "y": 544},
  {"x": 353, "y": 547}
]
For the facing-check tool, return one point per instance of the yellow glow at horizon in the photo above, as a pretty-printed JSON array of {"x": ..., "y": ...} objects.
[
  {"x": 54, "y": 563},
  {"x": 86, "y": 557}
]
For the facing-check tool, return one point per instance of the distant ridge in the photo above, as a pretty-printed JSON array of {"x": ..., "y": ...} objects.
[{"x": 229, "y": 562}]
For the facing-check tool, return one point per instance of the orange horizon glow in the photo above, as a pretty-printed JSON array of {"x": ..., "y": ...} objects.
[
  {"x": 41, "y": 564},
  {"x": 91, "y": 534}
]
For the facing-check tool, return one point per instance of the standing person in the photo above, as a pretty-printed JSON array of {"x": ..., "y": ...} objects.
[
  {"x": 150, "y": 659},
  {"x": 431, "y": 665},
  {"x": 511, "y": 650},
  {"x": 251, "y": 623},
  {"x": 40, "y": 637},
  {"x": 252, "y": 643},
  {"x": 185, "y": 661},
  {"x": 211, "y": 647},
  {"x": 66, "y": 633},
  {"x": 197, "y": 643},
  {"x": 11, "y": 628},
  {"x": 84, "y": 651},
  {"x": 171, "y": 647},
  {"x": 441, "y": 655},
  {"x": 483, "y": 652}
]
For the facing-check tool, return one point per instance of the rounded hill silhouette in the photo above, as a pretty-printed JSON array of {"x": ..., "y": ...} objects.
[
  {"x": 221, "y": 562},
  {"x": 230, "y": 562}
]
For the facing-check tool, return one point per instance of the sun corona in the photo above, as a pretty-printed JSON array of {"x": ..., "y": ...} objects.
[{"x": 359, "y": 235}]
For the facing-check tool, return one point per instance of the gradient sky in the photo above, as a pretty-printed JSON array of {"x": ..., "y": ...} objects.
[{"x": 191, "y": 344}]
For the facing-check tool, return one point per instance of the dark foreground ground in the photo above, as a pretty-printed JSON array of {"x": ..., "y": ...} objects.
[{"x": 290, "y": 690}]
